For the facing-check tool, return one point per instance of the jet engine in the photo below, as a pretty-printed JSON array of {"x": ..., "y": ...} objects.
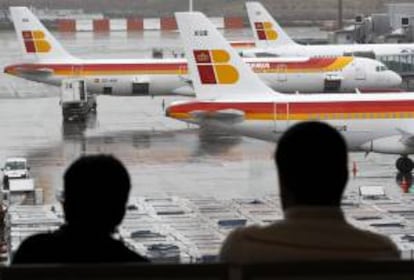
[{"x": 389, "y": 145}]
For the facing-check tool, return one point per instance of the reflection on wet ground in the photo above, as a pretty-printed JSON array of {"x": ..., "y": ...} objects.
[{"x": 162, "y": 155}]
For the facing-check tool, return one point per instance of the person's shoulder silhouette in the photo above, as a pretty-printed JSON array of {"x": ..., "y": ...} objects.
[
  {"x": 312, "y": 165},
  {"x": 96, "y": 190}
]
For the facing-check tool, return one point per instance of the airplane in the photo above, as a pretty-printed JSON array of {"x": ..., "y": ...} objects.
[
  {"x": 48, "y": 62},
  {"x": 272, "y": 40},
  {"x": 232, "y": 99}
]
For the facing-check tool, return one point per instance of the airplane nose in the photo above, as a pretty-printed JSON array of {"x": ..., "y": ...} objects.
[
  {"x": 390, "y": 79},
  {"x": 396, "y": 79}
]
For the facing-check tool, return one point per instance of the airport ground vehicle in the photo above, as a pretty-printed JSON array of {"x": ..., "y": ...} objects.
[
  {"x": 75, "y": 100},
  {"x": 17, "y": 185},
  {"x": 15, "y": 168}
]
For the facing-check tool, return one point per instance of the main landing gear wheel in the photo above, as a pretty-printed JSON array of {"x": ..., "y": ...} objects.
[{"x": 404, "y": 164}]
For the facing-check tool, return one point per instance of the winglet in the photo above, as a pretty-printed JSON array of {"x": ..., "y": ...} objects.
[
  {"x": 36, "y": 41},
  {"x": 266, "y": 30},
  {"x": 216, "y": 69}
]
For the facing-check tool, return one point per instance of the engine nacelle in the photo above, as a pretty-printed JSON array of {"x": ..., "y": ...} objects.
[{"x": 388, "y": 145}]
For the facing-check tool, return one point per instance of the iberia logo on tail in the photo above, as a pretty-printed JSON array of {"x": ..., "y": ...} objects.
[
  {"x": 35, "y": 41},
  {"x": 265, "y": 31},
  {"x": 214, "y": 68}
]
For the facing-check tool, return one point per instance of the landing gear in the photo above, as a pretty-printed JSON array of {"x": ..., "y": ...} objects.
[{"x": 404, "y": 165}]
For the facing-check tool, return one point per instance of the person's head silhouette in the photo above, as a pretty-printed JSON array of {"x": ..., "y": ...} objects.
[
  {"x": 96, "y": 189},
  {"x": 312, "y": 163}
]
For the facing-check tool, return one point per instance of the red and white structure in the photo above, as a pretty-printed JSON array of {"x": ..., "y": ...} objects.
[{"x": 137, "y": 24}]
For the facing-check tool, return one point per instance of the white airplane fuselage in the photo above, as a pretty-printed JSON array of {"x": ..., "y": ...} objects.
[
  {"x": 129, "y": 77},
  {"x": 369, "y": 122},
  {"x": 334, "y": 50}
]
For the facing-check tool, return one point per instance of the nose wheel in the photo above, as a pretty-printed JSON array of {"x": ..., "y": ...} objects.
[{"x": 404, "y": 164}]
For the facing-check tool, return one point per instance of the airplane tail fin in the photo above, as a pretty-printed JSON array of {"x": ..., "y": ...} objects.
[
  {"x": 36, "y": 41},
  {"x": 216, "y": 69},
  {"x": 267, "y": 32}
]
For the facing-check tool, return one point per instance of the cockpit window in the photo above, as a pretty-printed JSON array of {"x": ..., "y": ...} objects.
[{"x": 381, "y": 68}]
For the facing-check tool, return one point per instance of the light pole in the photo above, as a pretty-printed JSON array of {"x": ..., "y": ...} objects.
[{"x": 340, "y": 15}]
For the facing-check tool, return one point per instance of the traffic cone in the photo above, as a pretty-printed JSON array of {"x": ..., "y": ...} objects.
[{"x": 354, "y": 169}]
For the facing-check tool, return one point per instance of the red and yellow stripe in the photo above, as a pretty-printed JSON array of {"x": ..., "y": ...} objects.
[
  {"x": 178, "y": 68},
  {"x": 307, "y": 66},
  {"x": 243, "y": 44},
  {"x": 303, "y": 110},
  {"x": 96, "y": 69}
]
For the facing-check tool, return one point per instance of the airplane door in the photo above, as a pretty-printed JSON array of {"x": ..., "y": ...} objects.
[
  {"x": 360, "y": 73},
  {"x": 183, "y": 74},
  {"x": 332, "y": 82},
  {"x": 182, "y": 70},
  {"x": 77, "y": 70},
  {"x": 280, "y": 117},
  {"x": 281, "y": 73},
  {"x": 140, "y": 88}
]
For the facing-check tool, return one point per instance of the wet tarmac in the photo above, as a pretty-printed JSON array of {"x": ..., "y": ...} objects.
[
  {"x": 162, "y": 155},
  {"x": 165, "y": 158}
]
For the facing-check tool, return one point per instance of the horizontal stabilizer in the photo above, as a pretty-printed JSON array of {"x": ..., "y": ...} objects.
[{"x": 31, "y": 71}]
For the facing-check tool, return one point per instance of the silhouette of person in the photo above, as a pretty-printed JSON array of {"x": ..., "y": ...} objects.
[
  {"x": 96, "y": 189},
  {"x": 312, "y": 165}
]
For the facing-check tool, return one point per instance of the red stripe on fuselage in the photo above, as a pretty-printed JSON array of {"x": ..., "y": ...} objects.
[
  {"x": 313, "y": 63},
  {"x": 108, "y": 67},
  {"x": 137, "y": 67},
  {"x": 301, "y": 107}
]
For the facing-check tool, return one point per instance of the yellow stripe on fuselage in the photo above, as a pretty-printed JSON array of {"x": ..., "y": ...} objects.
[{"x": 339, "y": 63}]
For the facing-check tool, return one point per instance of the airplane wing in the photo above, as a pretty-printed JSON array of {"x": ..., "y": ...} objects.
[
  {"x": 402, "y": 143},
  {"x": 407, "y": 138},
  {"x": 227, "y": 115}
]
